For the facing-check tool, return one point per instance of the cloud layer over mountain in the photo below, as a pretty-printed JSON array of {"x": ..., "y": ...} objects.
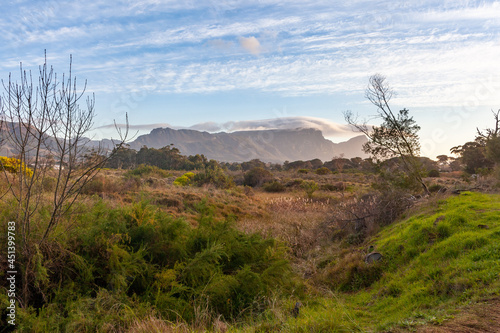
[{"x": 327, "y": 127}]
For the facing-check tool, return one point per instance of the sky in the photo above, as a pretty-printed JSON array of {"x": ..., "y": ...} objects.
[{"x": 241, "y": 65}]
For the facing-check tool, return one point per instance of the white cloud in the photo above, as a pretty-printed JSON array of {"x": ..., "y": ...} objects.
[
  {"x": 251, "y": 44},
  {"x": 486, "y": 11},
  {"x": 135, "y": 127},
  {"x": 327, "y": 127}
]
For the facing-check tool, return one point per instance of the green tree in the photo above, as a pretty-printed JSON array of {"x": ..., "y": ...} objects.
[
  {"x": 473, "y": 155},
  {"x": 245, "y": 166},
  {"x": 214, "y": 174},
  {"x": 484, "y": 151},
  {"x": 397, "y": 136},
  {"x": 122, "y": 158}
]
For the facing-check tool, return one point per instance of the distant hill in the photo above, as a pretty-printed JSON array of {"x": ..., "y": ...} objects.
[{"x": 266, "y": 145}]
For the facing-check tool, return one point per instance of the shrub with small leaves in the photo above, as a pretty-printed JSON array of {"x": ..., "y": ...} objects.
[
  {"x": 436, "y": 188},
  {"x": 274, "y": 186},
  {"x": 433, "y": 173},
  {"x": 323, "y": 171},
  {"x": 214, "y": 175},
  {"x": 184, "y": 180},
  {"x": 310, "y": 186},
  {"x": 257, "y": 176},
  {"x": 14, "y": 165}
]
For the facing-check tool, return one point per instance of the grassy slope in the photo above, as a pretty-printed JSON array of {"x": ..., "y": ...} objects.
[{"x": 435, "y": 262}]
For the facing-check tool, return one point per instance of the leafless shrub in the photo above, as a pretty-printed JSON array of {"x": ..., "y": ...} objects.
[{"x": 362, "y": 216}]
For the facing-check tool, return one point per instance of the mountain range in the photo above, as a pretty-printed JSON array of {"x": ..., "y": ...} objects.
[
  {"x": 267, "y": 145},
  {"x": 275, "y": 146}
]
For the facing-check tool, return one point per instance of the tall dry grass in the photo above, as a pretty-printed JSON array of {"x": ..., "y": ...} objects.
[
  {"x": 299, "y": 222},
  {"x": 153, "y": 324}
]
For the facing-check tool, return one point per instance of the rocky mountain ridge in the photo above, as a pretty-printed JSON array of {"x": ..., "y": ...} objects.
[{"x": 266, "y": 145}]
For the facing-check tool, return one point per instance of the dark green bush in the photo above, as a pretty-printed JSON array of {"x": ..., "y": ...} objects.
[
  {"x": 323, "y": 171},
  {"x": 339, "y": 186},
  {"x": 436, "y": 188},
  {"x": 257, "y": 176},
  {"x": 433, "y": 173},
  {"x": 310, "y": 186},
  {"x": 303, "y": 171},
  {"x": 294, "y": 183},
  {"x": 124, "y": 263},
  {"x": 351, "y": 273},
  {"x": 214, "y": 175},
  {"x": 274, "y": 186}
]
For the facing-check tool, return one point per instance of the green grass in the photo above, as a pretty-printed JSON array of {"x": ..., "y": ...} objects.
[
  {"x": 435, "y": 262},
  {"x": 439, "y": 261}
]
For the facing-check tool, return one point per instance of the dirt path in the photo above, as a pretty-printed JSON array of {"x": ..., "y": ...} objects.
[{"x": 484, "y": 317}]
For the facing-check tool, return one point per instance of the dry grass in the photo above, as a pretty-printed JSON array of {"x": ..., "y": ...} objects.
[
  {"x": 298, "y": 222},
  {"x": 293, "y": 220},
  {"x": 154, "y": 324}
]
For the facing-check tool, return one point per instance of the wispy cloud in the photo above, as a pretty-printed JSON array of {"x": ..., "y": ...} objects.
[
  {"x": 485, "y": 11},
  {"x": 431, "y": 52}
]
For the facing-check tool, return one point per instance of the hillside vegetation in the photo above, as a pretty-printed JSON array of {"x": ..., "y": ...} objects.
[
  {"x": 148, "y": 252},
  {"x": 436, "y": 262}
]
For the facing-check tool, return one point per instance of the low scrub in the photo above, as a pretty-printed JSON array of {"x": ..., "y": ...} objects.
[
  {"x": 274, "y": 186},
  {"x": 323, "y": 171},
  {"x": 120, "y": 264},
  {"x": 362, "y": 216},
  {"x": 185, "y": 179},
  {"x": 214, "y": 175},
  {"x": 148, "y": 170}
]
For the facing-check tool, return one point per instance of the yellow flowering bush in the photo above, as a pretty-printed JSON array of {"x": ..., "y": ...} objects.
[{"x": 13, "y": 165}]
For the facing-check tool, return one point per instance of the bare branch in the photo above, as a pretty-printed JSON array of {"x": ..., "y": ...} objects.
[{"x": 44, "y": 125}]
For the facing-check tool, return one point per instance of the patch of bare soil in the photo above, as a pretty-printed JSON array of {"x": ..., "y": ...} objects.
[{"x": 483, "y": 317}]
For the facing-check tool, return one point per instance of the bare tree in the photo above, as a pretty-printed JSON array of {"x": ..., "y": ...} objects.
[
  {"x": 491, "y": 132},
  {"x": 396, "y": 136},
  {"x": 45, "y": 128}
]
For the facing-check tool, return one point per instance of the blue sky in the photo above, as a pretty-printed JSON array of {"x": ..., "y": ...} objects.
[{"x": 231, "y": 65}]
